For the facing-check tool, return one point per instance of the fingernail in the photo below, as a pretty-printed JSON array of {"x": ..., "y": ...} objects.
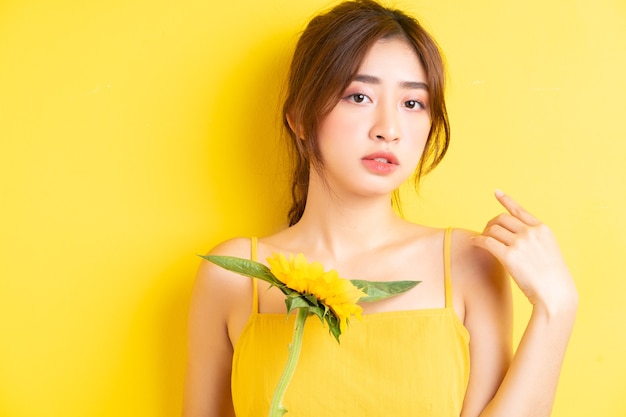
[{"x": 499, "y": 193}]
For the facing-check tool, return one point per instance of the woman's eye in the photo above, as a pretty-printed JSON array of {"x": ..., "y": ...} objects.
[
  {"x": 358, "y": 97},
  {"x": 414, "y": 104}
]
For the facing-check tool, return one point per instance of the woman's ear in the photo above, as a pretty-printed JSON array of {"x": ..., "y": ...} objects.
[{"x": 296, "y": 129}]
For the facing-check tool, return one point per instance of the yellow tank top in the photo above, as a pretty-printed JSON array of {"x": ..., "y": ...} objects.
[{"x": 398, "y": 363}]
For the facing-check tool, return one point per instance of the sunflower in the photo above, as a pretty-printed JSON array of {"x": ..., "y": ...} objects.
[{"x": 310, "y": 279}]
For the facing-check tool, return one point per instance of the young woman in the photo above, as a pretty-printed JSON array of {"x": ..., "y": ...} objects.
[{"x": 365, "y": 111}]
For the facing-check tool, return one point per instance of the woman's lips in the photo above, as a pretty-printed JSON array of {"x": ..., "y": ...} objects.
[{"x": 380, "y": 163}]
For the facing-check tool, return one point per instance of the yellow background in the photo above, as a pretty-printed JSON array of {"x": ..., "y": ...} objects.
[{"x": 136, "y": 134}]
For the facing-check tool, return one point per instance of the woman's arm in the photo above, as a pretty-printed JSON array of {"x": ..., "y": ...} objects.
[
  {"x": 219, "y": 298},
  {"x": 529, "y": 252},
  {"x": 485, "y": 294}
]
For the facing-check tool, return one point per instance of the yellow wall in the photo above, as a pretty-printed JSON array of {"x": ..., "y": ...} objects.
[{"x": 135, "y": 134}]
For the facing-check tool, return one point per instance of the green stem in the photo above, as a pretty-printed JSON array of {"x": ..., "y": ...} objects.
[{"x": 277, "y": 409}]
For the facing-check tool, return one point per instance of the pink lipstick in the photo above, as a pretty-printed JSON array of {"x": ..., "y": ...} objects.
[{"x": 380, "y": 163}]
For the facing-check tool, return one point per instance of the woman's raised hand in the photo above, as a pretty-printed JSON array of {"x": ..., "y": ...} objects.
[{"x": 529, "y": 252}]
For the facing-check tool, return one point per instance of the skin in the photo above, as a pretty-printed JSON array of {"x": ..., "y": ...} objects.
[{"x": 348, "y": 225}]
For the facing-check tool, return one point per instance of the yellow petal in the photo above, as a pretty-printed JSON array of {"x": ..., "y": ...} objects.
[{"x": 339, "y": 294}]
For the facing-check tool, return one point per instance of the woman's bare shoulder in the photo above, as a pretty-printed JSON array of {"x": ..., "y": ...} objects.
[
  {"x": 469, "y": 257},
  {"x": 239, "y": 247},
  {"x": 236, "y": 247},
  {"x": 474, "y": 269},
  {"x": 216, "y": 283}
]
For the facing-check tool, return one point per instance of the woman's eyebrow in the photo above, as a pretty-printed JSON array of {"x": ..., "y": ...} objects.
[{"x": 371, "y": 79}]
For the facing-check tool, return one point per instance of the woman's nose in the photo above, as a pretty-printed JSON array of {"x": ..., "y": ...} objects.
[{"x": 385, "y": 125}]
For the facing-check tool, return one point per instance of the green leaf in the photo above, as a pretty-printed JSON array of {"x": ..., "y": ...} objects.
[
  {"x": 333, "y": 325},
  {"x": 295, "y": 302},
  {"x": 318, "y": 311},
  {"x": 245, "y": 267},
  {"x": 312, "y": 299},
  {"x": 379, "y": 290},
  {"x": 326, "y": 310}
]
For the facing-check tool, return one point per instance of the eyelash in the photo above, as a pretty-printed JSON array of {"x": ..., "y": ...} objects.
[
  {"x": 418, "y": 103},
  {"x": 354, "y": 96},
  {"x": 360, "y": 98}
]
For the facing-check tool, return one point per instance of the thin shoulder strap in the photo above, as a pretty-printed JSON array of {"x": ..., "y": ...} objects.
[
  {"x": 255, "y": 291},
  {"x": 447, "y": 244}
]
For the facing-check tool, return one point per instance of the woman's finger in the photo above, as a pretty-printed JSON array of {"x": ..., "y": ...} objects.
[
  {"x": 501, "y": 234},
  {"x": 492, "y": 245},
  {"x": 515, "y": 209},
  {"x": 507, "y": 221}
]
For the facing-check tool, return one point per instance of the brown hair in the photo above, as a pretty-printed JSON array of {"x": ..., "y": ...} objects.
[{"x": 327, "y": 56}]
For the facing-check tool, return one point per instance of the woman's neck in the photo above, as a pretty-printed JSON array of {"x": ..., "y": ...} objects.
[{"x": 341, "y": 225}]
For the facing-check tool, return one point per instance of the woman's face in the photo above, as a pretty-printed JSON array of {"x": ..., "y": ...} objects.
[{"x": 374, "y": 137}]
